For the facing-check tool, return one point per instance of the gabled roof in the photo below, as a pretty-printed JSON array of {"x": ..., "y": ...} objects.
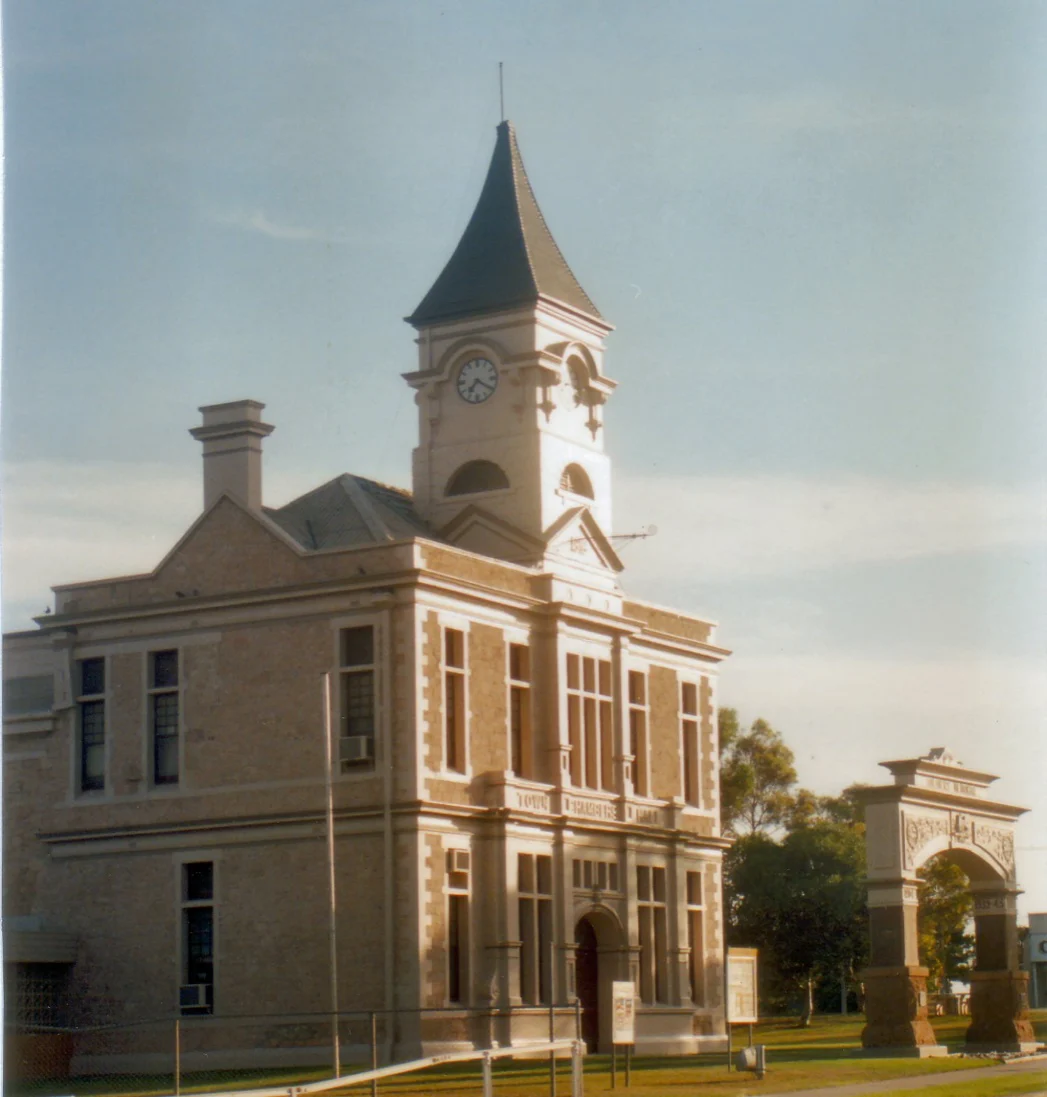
[
  {"x": 507, "y": 255},
  {"x": 349, "y": 510}
]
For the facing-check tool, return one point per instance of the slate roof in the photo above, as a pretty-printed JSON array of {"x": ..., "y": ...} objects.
[
  {"x": 507, "y": 255},
  {"x": 349, "y": 510}
]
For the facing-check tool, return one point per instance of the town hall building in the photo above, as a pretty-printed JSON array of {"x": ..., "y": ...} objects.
[{"x": 525, "y": 789}]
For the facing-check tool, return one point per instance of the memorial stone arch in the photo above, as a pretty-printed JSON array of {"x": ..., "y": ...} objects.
[{"x": 937, "y": 805}]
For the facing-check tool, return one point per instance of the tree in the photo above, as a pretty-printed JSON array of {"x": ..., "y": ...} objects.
[
  {"x": 801, "y": 901},
  {"x": 756, "y": 774},
  {"x": 805, "y": 808},
  {"x": 946, "y": 904}
]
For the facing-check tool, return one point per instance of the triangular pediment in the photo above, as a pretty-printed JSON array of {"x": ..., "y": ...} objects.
[
  {"x": 229, "y": 548},
  {"x": 576, "y": 536},
  {"x": 480, "y": 531}
]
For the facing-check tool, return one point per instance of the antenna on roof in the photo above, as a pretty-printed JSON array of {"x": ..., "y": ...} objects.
[{"x": 501, "y": 92}]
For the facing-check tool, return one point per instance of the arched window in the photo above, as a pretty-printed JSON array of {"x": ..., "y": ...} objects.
[
  {"x": 575, "y": 479},
  {"x": 477, "y": 476},
  {"x": 578, "y": 376}
]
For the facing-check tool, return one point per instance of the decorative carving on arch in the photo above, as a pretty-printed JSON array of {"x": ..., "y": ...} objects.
[
  {"x": 998, "y": 842},
  {"x": 924, "y": 836},
  {"x": 920, "y": 831}
]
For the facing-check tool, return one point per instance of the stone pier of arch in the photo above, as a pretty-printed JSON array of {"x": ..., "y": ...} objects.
[{"x": 937, "y": 805}]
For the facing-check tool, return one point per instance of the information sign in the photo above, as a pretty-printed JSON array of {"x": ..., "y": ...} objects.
[
  {"x": 741, "y": 986},
  {"x": 623, "y": 1013}
]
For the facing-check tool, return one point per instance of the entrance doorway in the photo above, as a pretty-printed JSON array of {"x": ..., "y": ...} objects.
[{"x": 587, "y": 981}]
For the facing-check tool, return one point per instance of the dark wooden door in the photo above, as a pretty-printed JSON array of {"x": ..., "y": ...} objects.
[{"x": 587, "y": 981}]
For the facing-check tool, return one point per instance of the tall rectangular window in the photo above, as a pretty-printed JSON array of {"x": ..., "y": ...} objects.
[
  {"x": 590, "y": 721},
  {"x": 689, "y": 732},
  {"x": 520, "y": 710},
  {"x": 638, "y": 730},
  {"x": 454, "y": 700},
  {"x": 535, "y": 888},
  {"x": 458, "y": 927},
  {"x": 651, "y": 913},
  {"x": 356, "y": 714},
  {"x": 91, "y": 720},
  {"x": 696, "y": 937},
  {"x": 196, "y": 995},
  {"x": 163, "y": 715}
]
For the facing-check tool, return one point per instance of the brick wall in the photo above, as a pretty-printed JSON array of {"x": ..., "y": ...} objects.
[{"x": 664, "y": 734}]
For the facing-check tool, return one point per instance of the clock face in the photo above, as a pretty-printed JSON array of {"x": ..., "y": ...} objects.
[{"x": 477, "y": 380}]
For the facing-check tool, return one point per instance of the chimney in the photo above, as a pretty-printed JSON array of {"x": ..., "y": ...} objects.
[{"x": 232, "y": 436}]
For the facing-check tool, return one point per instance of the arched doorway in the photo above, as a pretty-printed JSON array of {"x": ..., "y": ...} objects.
[
  {"x": 600, "y": 957},
  {"x": 587, "y": 980}
]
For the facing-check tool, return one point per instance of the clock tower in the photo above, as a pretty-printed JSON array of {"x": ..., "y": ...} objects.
[{"x": 511, "y": 389}]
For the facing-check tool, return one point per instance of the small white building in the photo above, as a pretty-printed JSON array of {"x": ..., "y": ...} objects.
[{"x": 1034, "y": 960}]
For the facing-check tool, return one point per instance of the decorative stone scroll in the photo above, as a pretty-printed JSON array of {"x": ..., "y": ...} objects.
[
  {"x": 920, "y": 830},
  {"x": 997, "y": 842}
]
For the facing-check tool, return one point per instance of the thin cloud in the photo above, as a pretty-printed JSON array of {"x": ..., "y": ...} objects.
[
  {"x": 258, "y": 221},
  {"x": 730, "y": 528},
  {"x": 54, "y": 532}
]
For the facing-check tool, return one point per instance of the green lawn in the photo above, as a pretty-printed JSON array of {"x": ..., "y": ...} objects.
[
  {"x": 828, "y": 1053},
  {"x": 1033, "y": 1082}
]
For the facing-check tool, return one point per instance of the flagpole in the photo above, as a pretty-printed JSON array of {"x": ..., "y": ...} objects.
[{"x": 333, "y": 932}]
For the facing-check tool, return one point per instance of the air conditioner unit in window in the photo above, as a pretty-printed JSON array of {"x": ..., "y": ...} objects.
[
  {"x": 355, "y": 748},
  {"x": 458, "y": 860},
  {"x": 193, "y": 995}
]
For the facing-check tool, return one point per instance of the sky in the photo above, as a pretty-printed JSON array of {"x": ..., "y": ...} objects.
[{"x": 819, "y": 230}]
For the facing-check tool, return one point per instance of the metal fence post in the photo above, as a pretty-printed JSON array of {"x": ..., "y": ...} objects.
[
  {"x": 614, "y": 1066},
  {"x": 577, "y": 1084},
  {"x": 488, "y": 1080},
  {"x": 178, "y": 1057},
  {"x": 552, "y": 1053},
  {"x": 374, "y": 1052},
  {"x": 577, "y": 1018}
]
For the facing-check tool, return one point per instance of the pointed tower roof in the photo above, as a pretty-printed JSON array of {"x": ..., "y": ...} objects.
[{"x": 507, "y": 255}]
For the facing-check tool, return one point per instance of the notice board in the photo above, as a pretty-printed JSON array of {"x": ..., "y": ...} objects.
[{"x": 741, "y": 986}]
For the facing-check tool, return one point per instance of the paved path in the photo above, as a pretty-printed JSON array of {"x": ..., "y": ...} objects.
[{"x": 955, "y": 1078}]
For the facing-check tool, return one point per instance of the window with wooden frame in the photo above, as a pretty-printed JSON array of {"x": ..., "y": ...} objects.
[
  {"x": 458, "y": 926},
  {"x": 196, "y": 993},
  {"x": 90, "y": 704},
  {"x": 356, "y": 699},
  {"x": 590, "y": 875},
  {"x": 692, "y": 793},
  {"x": 638, "y": 730},
  {"x": 535, "y": 889},
  {"x": 653, "y": 933},
  {"x": 590, "y": 722},
  {"x": 454, "y": 700},
  {"x": 164, "y": 715},
  {"x": 696, "y": 937},
  {"x": 520, "y": 746}
]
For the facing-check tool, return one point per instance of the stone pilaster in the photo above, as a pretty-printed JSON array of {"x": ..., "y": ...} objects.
[
  {"x": 999, "y": 990},
  {"x": 895, "y": 984},
  {"x": 896, "y": 1009}
]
